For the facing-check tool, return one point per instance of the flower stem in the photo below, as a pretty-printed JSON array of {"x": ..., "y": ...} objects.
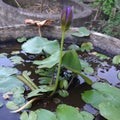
[{"x": 59, "y": 64}]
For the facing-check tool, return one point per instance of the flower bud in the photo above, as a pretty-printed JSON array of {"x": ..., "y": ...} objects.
[{"x": 66, "y": 18}]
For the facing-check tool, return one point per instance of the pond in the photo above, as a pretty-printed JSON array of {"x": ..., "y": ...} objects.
[{"x": 105, "y": 71}]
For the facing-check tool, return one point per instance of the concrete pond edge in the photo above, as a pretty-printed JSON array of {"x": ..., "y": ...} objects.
[{"x": 103, "y": 43}]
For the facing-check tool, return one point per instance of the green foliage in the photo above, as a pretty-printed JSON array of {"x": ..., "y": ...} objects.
[
  {"x": 63, "y": 112},
  {"x": 16, "y": 59},
  {"x": 116, "y": 59},
  {"x": 112, "y": 25},
  {"x": 106, "y": 6},
  {"x": 22, "y": 39},
  {"x": 49, "y": 62},
  {"x": 7, "y": 71},
  {"x": 86, "y": 47},
  {"x": 102, "y": 56},
  {"x": 82, "y": 32},
  {"x": 105, "y": 98},
  {"x": 39, "y": 45},
  {"x": 119, "y": 75}
]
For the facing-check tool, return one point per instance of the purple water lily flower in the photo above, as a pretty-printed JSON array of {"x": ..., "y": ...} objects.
[{"x": 66, "y": 18}]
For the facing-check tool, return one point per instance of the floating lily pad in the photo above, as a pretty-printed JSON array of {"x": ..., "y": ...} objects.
[
  {"x": 16, "y": 59},
  {"x": 83, "y": 32},
  {"x": 37, "y": 45},
  {"x": 7, "y": 71},
  {"x": 105, "y": 98},
  {"x": 6, "y": 84}
]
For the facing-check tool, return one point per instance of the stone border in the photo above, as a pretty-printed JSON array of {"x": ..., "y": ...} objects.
[
  {"x": 12, "y": 15},
  {"x": 104, "y": 43}
]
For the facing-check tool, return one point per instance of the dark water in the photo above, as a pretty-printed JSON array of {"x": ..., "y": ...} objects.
[{"x": 104, "y": 72}]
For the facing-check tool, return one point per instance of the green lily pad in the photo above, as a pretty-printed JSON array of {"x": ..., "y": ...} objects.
[
  {"x": 83, "y": 32},
  {"x": 22, "y": 39},
  {"x": 6, "y": 84},
  {"x": 11, "y": 105},
  {"x": 116, "y": 59},
  {"x": 105, "y": 98},
  {"x": 31, "y": 116},
  {"x": 66, "y": 112},
  {"x": 16, "y": 59},
  {"x": 45, "y": 115},
  {"x": 86, "y": 47},
  {"x": 37, "y": 45},
  {"x": 109, "y": 111},
  {"x": 7, "y": 71},
  {"x": 48, "y": 62}
]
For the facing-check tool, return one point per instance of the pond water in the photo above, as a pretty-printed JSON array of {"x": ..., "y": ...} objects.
[{"x": 105, "y": 72}]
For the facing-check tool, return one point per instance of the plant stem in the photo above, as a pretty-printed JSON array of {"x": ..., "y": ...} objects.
[
  {"x": 59, "y": 64},
  {"x": 27, "y": 82}
]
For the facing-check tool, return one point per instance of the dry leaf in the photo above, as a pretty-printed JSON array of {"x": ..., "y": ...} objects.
[
  {"x": 7, "y": 95},
  {"x": 38, "y": 23}
]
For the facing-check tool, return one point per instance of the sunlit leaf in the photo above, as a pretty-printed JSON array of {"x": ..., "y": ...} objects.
[
  {"x": 37, "y": 45},
  {"x": 45, "y": 115},
  {"x": 102, "y": 56},
  {"x": 86, "y": 47},
  {"x": 11, "y": 105},
  {"x": 7, "y": 71},
  {"x": 83, "y": 32},
  {"x": 3, "y": 54},
  {"x": 22, "y": 39},
  {"x": 116, "y": 59},
  {"x": 48, "y": 62},
  {"x": 16, "y": 59}
]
